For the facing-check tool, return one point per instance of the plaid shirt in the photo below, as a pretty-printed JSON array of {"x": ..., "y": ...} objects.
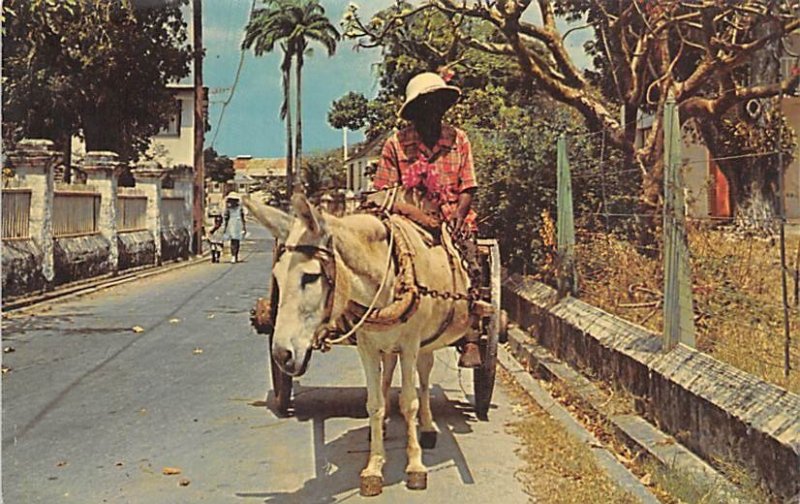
[{"x": 443, "y": 172}]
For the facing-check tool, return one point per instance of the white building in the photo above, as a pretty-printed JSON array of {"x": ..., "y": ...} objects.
[{"x": 361, "y": 166}]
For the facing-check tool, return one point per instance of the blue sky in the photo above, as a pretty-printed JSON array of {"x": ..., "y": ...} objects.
[{"x": 251, "y": 124}]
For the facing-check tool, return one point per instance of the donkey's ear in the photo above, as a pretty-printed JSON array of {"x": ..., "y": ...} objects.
[
  {"x": 277, "y": 221},
  {"x": 308, "y": 213}
]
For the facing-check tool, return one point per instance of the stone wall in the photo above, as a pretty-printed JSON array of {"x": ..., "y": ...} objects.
[
  {"x": 22, "y": 267},
  {"x": 136, "y": 248},
  {"x": 81, "y": 257},
  {"x": 175, "y": 244},
  {"x": 110, "y": 243},
  {"x": 720, "y": 412}
]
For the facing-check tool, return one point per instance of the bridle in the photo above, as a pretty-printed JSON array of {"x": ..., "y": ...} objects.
[{"x": 330, "y": 331}]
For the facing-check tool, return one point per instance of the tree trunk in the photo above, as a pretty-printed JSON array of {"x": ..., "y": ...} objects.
[
  {"x": 287, "y": 90},
  {"x": 754, "y": 194},
  {"x": 754, "y": 178},
  {"x": 299, "y": 129}
]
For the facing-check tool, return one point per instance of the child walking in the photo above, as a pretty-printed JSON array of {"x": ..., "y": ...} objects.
[{"x": 215, "y": 238}]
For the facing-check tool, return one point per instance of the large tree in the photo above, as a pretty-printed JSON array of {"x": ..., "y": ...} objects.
[
  {"x": 644, "y": 50},
  {"x": 348, "y": 113},
  {"x": 101, "y": 67},
  {"x": 293, "y": 24},
  {"x": 218, "y": 168}
]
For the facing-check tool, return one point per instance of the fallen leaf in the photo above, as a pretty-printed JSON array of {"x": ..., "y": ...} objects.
[
  {"x": 6, "y": 369},
  {"x": 170, "y": 471},
  {"x": 646, "y": 480},
  {"x": 61, "y": 463},
  {"x": 184, "y": 482},
  {"x": 137, "y": 329},
  {"x": 197, "y": 351},
  {"x": 174, "y": 320},
  {"x": 9, "y": 349},
  {"x": 211, "y": 316},
  {"x": 666, "y": 441}
]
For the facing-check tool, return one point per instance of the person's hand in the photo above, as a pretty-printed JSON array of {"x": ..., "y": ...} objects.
[{"x": 459, "y": 224}]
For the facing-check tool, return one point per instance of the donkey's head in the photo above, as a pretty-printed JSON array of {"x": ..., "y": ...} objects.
[{"x": 304, "y": 279}]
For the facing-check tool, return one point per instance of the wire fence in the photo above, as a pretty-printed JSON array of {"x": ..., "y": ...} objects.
[{"x": 737, "y": 297}]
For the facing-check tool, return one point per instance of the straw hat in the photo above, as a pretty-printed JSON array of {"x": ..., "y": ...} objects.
[
  {"x": 233, "y": 195},
  {"x": 428, "y": 83}
]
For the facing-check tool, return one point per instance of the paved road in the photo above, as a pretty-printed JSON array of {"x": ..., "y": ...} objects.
[{"x": 93, "y": 411}]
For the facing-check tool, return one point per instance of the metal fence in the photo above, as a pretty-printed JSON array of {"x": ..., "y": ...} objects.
[
  {"x": 173, "y": 211},
  {"x": 131, "y": 212},
  {"x": 16, "y": 213},
  {"x": 75, "y": 212}
]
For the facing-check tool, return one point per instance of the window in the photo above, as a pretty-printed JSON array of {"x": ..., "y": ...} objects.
[{"x": 173, "y": 128}]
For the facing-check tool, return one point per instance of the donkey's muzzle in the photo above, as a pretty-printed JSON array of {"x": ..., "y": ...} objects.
[{"x": 290, "y": 362}]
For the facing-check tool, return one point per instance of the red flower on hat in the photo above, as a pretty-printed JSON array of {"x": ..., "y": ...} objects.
[{"x": 446, "y": 73}]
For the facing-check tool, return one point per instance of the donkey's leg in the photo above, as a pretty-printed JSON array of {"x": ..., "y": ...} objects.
[
  {"x": 427, "y": 435},
  {"x": 409, "y": 404},
  {"x": 372, "y": 475},
  {"x": 389, "y": 364}
]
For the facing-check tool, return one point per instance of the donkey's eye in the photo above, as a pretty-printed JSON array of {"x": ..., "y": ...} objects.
[{"x": 309, "y": 278}]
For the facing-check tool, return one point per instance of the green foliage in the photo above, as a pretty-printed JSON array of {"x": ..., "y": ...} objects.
[
  {"x": 95, "y": 65},
  {"x": 323, "y": 171},
  {"x": 350, "y": 111},
  {"x": 218, "y": 168},
  {"x": 512, "y": 129}
]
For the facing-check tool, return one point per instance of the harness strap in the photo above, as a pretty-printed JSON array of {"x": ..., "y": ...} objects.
[{"x": 321, "y": 339}]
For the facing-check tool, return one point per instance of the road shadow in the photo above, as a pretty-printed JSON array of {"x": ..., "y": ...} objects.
[{"x": 338, "y": 462}]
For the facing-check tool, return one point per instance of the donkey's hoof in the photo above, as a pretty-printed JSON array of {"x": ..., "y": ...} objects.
[
  {"x": 371, "y": 486},
  {"x": 427, "y": 440},
  {"x": 417, "y": 481}
]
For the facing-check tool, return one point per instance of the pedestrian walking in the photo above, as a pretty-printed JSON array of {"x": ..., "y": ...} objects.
[
  {"x": 216, "y": 236},
  {"x": 234, "y": 223}
]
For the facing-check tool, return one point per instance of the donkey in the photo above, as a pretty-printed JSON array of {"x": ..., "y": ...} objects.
[{"x": 331, "y": 264}]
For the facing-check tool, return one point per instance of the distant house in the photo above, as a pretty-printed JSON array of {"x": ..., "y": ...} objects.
[
  {"x": 174, "y": 144},
  {"x": 253, "y": 172},
  {"x": 361, "y": 166}
]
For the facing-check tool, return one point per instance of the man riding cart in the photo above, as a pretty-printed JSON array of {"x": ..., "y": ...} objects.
[
  {"x": 431, "y": 162},
  {"x": 426, "y": 174}
]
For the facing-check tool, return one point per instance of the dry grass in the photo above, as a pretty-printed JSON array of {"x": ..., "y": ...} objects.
[
  {"x": 559, "y": 469},
  {"x": 737, "y": 295}
]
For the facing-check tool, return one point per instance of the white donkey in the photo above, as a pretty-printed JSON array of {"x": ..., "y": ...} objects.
[{"x": 331, "y": 272}]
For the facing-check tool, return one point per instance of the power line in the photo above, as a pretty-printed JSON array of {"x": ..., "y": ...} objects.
[{"x": 227, "y": 101}]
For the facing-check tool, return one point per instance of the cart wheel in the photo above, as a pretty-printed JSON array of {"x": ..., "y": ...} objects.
[
  {"x": 483, "y": 377},
  {"x": 281, "y": 385}
]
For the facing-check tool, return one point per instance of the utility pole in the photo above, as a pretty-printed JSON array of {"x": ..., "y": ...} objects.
[{"x": 199, "y": 127}]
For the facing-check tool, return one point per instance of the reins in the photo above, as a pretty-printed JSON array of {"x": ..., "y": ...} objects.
[{"x": 325, "y": 343}]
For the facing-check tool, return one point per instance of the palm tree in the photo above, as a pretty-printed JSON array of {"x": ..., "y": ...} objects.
[
  {"x": 311, "y": 24},
  {"x": 268, "y": 26},
  {"x": 293, "y": 23}
]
